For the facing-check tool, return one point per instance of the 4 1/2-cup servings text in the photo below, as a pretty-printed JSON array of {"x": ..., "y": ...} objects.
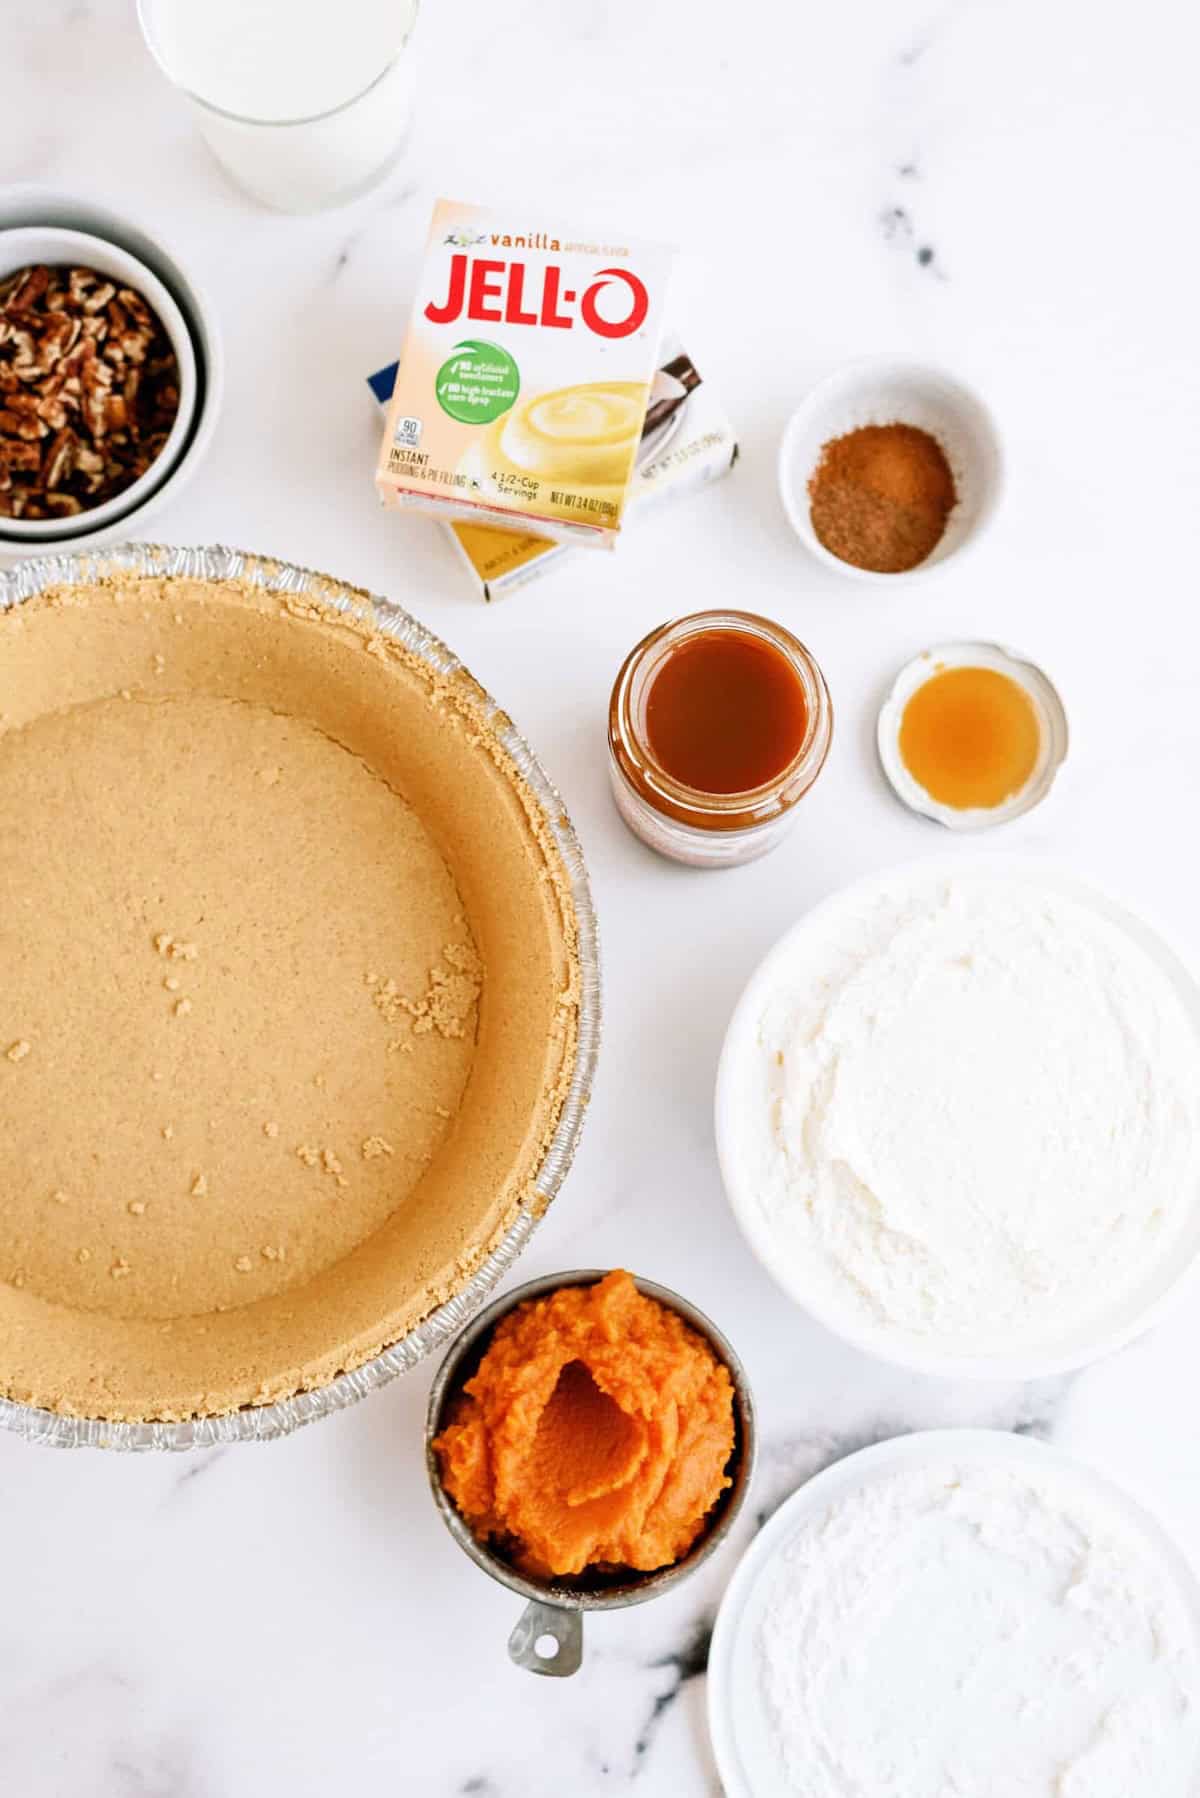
[{"x": 525, "y": 376}]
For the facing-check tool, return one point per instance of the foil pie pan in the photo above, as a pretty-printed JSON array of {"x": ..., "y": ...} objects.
[{"x": 262, "y": 1423}]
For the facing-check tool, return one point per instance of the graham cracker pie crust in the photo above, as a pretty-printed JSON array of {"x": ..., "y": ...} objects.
[{"x": 289, "y": 994}]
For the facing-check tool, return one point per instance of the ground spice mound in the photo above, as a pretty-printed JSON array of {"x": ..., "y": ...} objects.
[
  {"x": 596, "y": 1432},
  {"x": 880, "y": 497}
]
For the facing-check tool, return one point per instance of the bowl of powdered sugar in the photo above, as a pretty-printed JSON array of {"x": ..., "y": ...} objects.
[
  {"x": 958, "y": 1118},
  {"x": 958, "y": 1611}
]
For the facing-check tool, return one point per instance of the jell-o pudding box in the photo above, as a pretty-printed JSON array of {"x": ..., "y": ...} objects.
[{"x": 525, "y": 376}]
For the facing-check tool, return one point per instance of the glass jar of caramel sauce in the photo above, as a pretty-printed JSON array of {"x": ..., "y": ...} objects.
[{"x": 718, "y": 724}]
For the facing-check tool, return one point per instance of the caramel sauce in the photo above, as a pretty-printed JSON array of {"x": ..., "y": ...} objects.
[
  {"x": 725, "y": 712},
  {"x": 970, "y": 737}
]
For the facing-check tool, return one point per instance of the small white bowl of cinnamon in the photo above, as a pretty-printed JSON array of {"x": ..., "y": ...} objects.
[{"x": 889, "y": 468}]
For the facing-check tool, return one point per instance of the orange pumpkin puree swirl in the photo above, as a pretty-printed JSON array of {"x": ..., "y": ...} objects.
[{"x": 596, "y": 1432}]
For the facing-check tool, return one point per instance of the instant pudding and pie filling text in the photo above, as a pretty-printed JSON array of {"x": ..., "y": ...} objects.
[{"x": 526, "y": 375}]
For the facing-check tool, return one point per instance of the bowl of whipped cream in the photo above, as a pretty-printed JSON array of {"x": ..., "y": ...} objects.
[{"x": 958, "y": 1118}]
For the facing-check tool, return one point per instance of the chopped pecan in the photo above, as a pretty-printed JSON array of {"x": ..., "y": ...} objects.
[
  {"x": 137, "y": 308},
  {"x": 95, "y": 380},
  {"x": 21, "y": 423},
  {"x": 16, "y": 455},
  {"x": 90, "y": 292},
  {"x": 89, "y": 390},
  {"x": 54, "y": 408},
  {"x": 58, "y": 337},
  {"x": 59, "y": 459},
  {"x": 29, "y": 284},
  {"x": 22, "y": 360}
]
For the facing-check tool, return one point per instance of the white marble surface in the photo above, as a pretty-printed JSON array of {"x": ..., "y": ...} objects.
[{"x": 1008, "y": 188}]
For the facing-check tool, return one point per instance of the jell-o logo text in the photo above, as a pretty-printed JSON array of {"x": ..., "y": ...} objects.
[{"x": 494, "y": 292}]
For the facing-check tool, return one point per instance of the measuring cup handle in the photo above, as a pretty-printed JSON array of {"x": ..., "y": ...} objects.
[{"x": 563, "y": 1627}]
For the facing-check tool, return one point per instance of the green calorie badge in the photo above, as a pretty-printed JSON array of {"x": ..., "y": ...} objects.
[{"x": 478, "y": 383}]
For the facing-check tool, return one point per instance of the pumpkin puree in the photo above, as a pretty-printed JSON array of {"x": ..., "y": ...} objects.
[{"x": 596, "y": 1432}]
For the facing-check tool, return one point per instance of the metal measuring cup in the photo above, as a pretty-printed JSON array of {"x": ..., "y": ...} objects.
[{"x": 555, "y": 1607}]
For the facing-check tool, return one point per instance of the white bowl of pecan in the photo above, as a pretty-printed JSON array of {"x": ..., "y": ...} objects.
[{"x": 97, "y": 384}]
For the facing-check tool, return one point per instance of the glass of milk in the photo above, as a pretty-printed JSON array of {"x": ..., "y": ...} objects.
[{"x": 304, "y": 103}]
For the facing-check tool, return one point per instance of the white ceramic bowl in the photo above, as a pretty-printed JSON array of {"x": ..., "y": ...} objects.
[
  {"x": 881, "y": 390},
  {"x": 33, "y": 206},
  {"x": 30, "y": 244},
  {"x": 743, "y": 1736},
  {"x": 738, "y": 1091}
]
